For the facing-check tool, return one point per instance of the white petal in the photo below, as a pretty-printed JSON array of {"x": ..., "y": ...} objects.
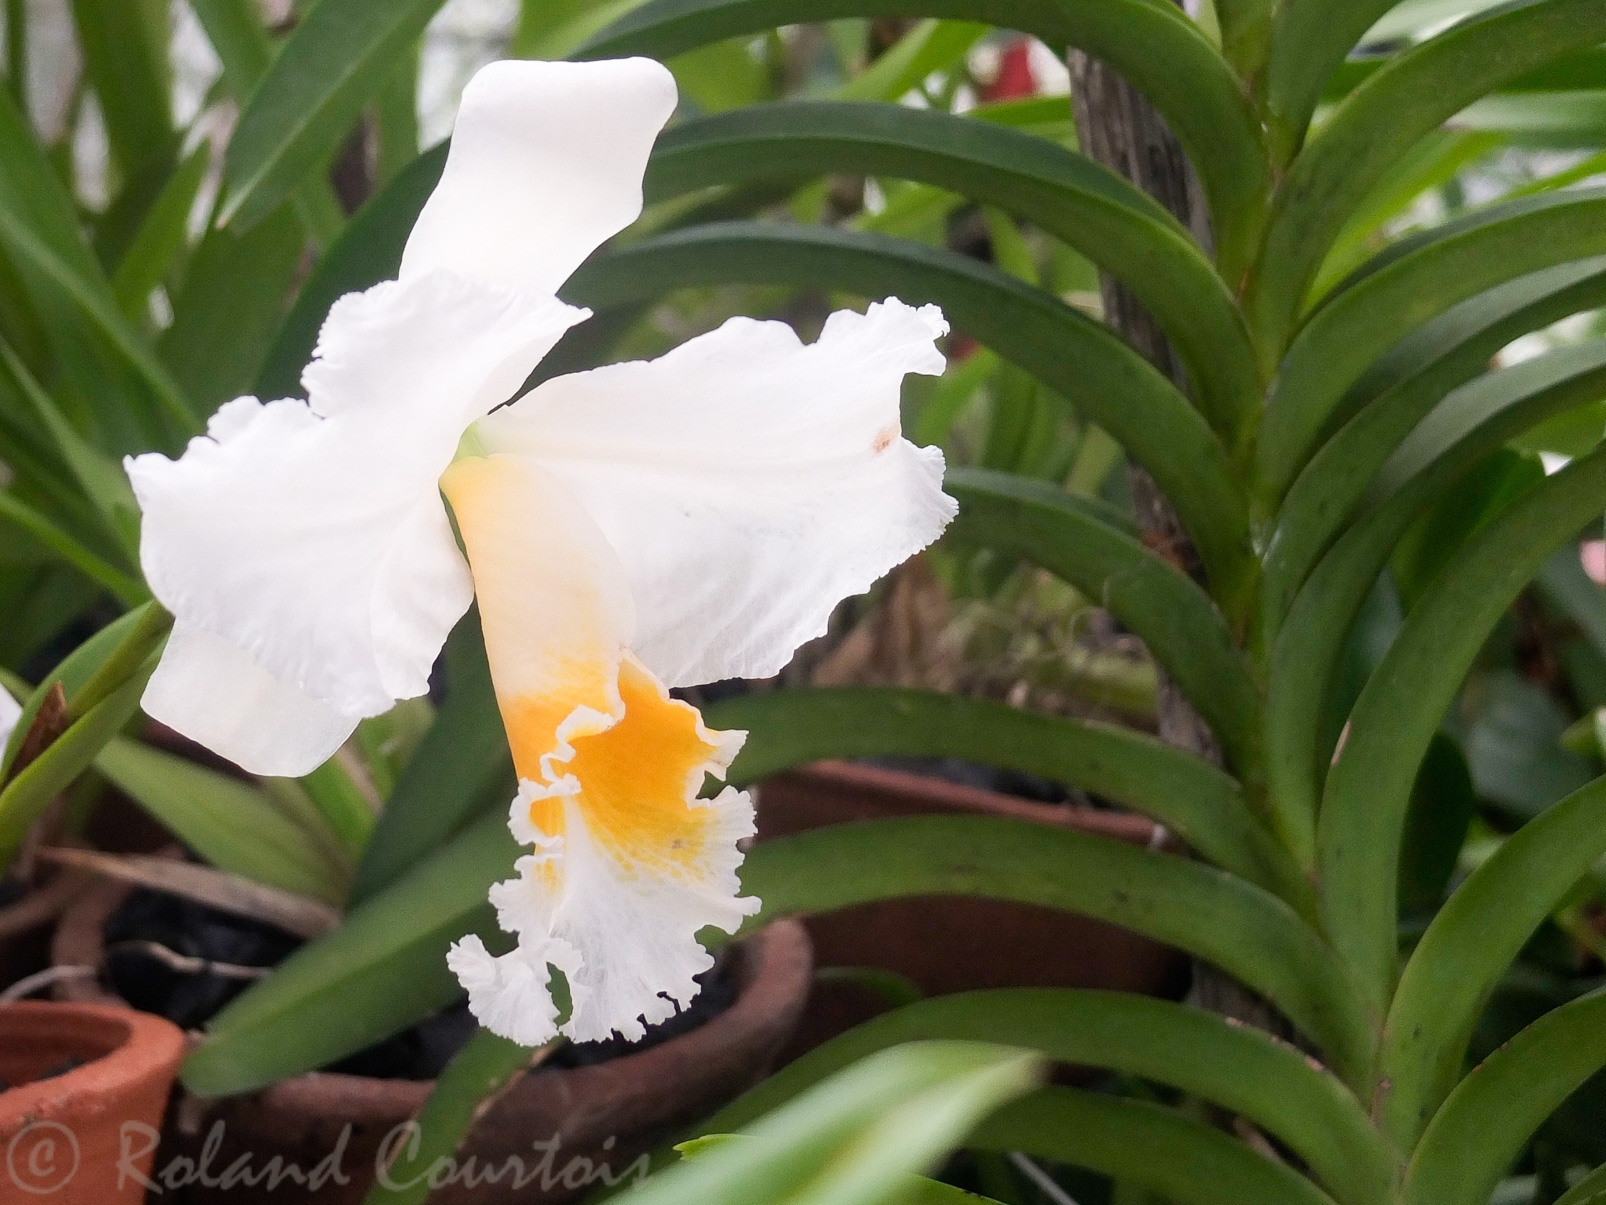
[
  {"x": 629, "y": 867},
  {"x": 10, "y": 713},
  {"x": 545, "y": 164},
  {"x": 748, "y": 482},
  {"x": 213, "y": 692},
  {"x": 312, "y": 537}
]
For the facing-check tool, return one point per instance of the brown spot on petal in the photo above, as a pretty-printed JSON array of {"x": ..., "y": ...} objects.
[{"x": 883, "y": 439}]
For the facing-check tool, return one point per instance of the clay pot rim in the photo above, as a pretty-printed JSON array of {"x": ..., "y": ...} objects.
[{"x": 143, "y": 1045}]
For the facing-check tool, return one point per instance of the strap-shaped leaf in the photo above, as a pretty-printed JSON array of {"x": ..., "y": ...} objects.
[
  {"x": 1149, "y": 1145},
  {"x": 231, "y": 824},
  {"x": 124, "y": 49},
  {"x": 1487, "y": 1121},
  {"x": 338, "y": 58},
  {"x": 1415, "y": 283},
  {"x": 1070, "y": 353},
  {"x": 384, "y": 968},
  {"x": 1188, "y": 795},
  {"x": 1309, "y": 40},
  {"x": 26, "y": 796},
  {"x": 1468, "y": 947},
  {"x": 1151, "y": 42},
  {"x": 1305, "y": 656},
  {"x": 128, "y": 589},
  {"x": 1368, "y": 790},
  {"x": 246, "y": 276},
  {"x": 1068, "y": 195},
  {"x": 1176, "y": 619},
  {"x": 94, "y": 309},
  {"x": 1248, "y": 932},
  {"x": 859, "y": 1138},
  {"x": 1587, "y": 1191},
  {"x": 1238, "y": 1068},
  {"x": 1394, "y": 396},
  {"x": 1412, "y": 96},
  {"x": 238, "y": 35}
]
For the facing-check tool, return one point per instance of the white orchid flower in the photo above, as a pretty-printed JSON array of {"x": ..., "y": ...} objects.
[{"x": 630, "y": 529}]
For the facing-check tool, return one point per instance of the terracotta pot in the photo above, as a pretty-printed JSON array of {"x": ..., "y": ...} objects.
[
  {"x": 948, "y": 943},
  {"x": 591, "y": 1118},
  {"x": 25, "y": 926},
  {"x": 88, "y": 1133}
]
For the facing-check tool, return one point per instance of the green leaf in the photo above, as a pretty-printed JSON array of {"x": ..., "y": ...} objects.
[
  {"x": 123, "y": 642},
  {"x": 384, "y": 968},
  {"x": 930, "y": 46},
  {"x": 554, "y": 29},
  {"x": 856, "y": 1138},
  {"x": 1306, "y": 655},
  {"x": 1151, "y": 42},
  {"x": 26, "y": 796},
  {"x": 1246, "y": 931},
  {"x": 335, "y": 62},
  {"x": 1234, "y": 1067},
  {"x": 476, "y": 1075},
  {"x": 1309, "y": 40},
  {"x": 230, "y": 824},
  {"x": 1429, "y": 165},
  {"x": 1070, "y": 537},
  {"x": 1073, "y": 355},
  {"x": 128, "y": 70},
  {"x": 31, "y": 190},
  {"x": 1486, "y": 1122},
  {"x": 1067, "y": 195},
  {"x": 1587, "y": 1191},
  {"x": 161, "y": 238},
  {"x": 1204, "y": 806},
  {"x": 57, "y": 282},
  {"x": 129, "y": 590},
  {"x": 1418, "y": 281},
  {"x": 330, "y": 800},
  {"x": 97, "y": 312},
  {"x": 243, "y": 45},
  {"x": 1384, "y": 118},
  {"x": 460, "y": 767},
  {"x": 1393, "y": 396},
  {"x": 1468, "y": 947},
  {"x": 1443, "y": 804},
  {"x": 1135, "y": 1142},
  {"x": 367, "y": 252},
  {"x": 1436, "y": 538},
  {"x": 246, "y": 276},
  {"x": 1368, "y": 789}
]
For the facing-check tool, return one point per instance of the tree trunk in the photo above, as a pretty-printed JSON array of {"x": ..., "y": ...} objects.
[{"x": 1120, "y": 129}]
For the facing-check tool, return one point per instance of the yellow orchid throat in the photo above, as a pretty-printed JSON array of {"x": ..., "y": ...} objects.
[{"x": 593, "y": 730}]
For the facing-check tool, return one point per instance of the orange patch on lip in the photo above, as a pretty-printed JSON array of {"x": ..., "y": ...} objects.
[{"x": 638, "y": 779}]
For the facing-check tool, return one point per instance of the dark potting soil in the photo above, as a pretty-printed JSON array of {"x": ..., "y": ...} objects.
[
  {"x": 11, "y": 890},
  {"x": 418, "y": 1053},
  {"x": 987, "y": 778}
]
